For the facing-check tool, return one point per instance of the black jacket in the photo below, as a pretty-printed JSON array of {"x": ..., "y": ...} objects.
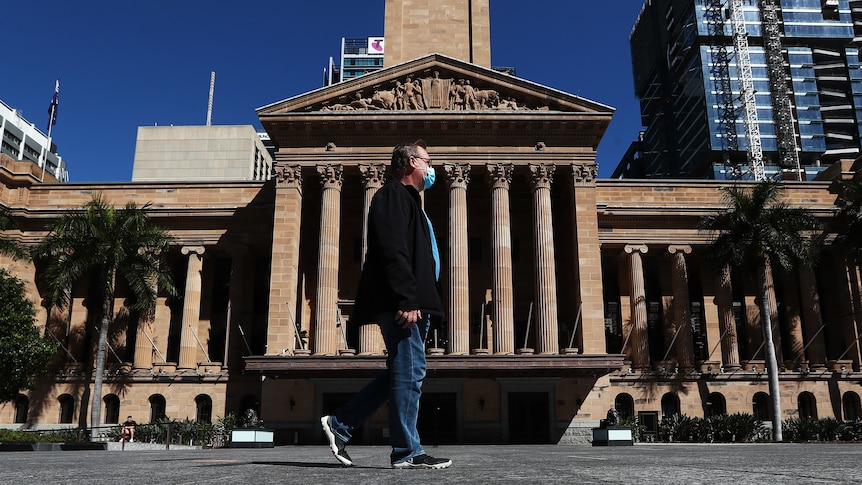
[{"x": 399, "y": 271}]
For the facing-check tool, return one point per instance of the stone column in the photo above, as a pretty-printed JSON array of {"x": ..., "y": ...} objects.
[
  {"x": 284, "y": 275},
  {"x": 727, "y": 322},
  {"x": 500, "y": 177},
  {"x": 793, "y": 312},
  {"x": 458, "y": 311},
  {"x": 143, "y": 358},
  {"x": 547, "y": 333},
  {"x": 191, "y": 308},
  {"x": 637, "y": 349},
  {"x": 370, "y": 338},
  {"x": 812, "y": 319},
  {"x": 681, "y": 308},
  {"x": 588, "y": 254},
  {"x": 326, "y": 337},
  {"x": 773, "y": 316}
]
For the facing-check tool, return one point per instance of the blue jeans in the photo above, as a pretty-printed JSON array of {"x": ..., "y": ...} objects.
[{"x": 400, "y": 385}]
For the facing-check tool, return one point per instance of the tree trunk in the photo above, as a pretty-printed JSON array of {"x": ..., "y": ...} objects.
[
  {"x": 107, "y": 315},
  {"x": 771, "y": 362}
]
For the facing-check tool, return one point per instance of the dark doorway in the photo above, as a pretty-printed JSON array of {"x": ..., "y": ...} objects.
[
  {"x": 529, "y": 419},
  {"x": 438, "y": 420}
]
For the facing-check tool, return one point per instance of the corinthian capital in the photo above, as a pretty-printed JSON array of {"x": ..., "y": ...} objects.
[
  {"x": 500, "y": 175},
  {"x": 372, "y": 175},
  {"x": 457, "y": 175},
  {"x": 331, "y": 176},
  {"x": 288, "y": 175},
  {"x": 541, "y": 175},
  {"x": 584, "y": 173}
]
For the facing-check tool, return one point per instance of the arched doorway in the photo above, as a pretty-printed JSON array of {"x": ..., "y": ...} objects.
[
  {"x": 851, "y": 406},
  {"x": 157, "y": 407},
  {"x": 807, "y": 405},
  {"x": 761, "y": 406},
  {"x": 669, "y": 405},
  {"x": 715, "y": 405}
]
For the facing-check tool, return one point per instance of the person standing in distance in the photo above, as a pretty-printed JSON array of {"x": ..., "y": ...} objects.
[{"x": 399, "y": 290}]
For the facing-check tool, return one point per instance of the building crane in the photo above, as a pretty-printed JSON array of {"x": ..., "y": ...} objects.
[
  {"x": 747, "y": 94},
  {"x": 782, "y": 107},
  {"x": 715, "y": 13}
]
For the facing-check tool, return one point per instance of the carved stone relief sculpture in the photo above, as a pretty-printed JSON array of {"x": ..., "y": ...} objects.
[{"x": 430, "y": 93}]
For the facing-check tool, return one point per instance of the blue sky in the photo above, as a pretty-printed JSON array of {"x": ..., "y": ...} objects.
[{"x": 124, "y": 64}]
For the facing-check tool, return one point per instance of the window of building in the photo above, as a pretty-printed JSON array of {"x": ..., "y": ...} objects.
[
  {"x": 625, "y": 405},
  {"x": 715, "y": 405},
  {"x": 157, "y": 407},
  {"x": 669, "y": 405},
  {"x": 67, "y": 408},
  {"x": 761, "y": 406},
  {"x": 807, "y": 405},
  {"x": 112, "y": 409},
  {"x": 851, "y": 406},
  {"x": 829, "y": 8},
  {"x": 22, "y": 407},
  {"x": 204, "y": 405}
]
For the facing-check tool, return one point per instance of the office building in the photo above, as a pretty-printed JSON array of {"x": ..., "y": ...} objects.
[
  {"x": 692, "y": 60},
  {"x": 202, "y": 153},
  {"x": 359, "y": 56},
  {"x": 27, "y": 148}
]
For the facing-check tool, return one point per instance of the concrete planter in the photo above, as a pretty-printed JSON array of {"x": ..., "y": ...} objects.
[
  {"x": 53, "y": 446},
  {"x": 252, "y": 438},
  {"x": 613, "y": 436}
]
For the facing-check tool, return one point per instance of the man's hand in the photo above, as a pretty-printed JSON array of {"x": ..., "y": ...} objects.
[{"x": 408, "y": 318}]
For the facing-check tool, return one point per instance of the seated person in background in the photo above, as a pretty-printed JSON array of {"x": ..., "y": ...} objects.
[{"x": 128, "y": 430}]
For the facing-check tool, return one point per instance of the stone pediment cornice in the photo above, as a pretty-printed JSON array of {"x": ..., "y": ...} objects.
[{"x": 433, "y": 84}]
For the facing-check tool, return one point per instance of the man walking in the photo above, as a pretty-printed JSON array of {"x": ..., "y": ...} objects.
[{"x": 398, "y": 290}]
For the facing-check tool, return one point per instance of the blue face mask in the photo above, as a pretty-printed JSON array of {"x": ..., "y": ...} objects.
[{"x": 429, "y": 177}]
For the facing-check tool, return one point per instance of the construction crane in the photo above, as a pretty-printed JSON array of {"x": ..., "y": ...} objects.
[
  {"x": 782, "y": 108},
  {"x": 747, "y": 94},
  {"x": 716, "y": 12}
]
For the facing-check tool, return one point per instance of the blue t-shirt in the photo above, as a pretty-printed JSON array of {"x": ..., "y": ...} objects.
[{"x": 434, "y": 249}]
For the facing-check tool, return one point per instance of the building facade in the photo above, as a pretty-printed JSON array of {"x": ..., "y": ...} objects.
[
  {"x": 807, "y": 86},
  {"x": 23, "y": 142},
  {"x": 565, "y": 295},
  {"x": 203, "y": 153},
  {"x": 359, "y": 56}
]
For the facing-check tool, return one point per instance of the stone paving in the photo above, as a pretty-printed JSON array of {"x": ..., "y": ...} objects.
[{"x": 641, "y": 464}]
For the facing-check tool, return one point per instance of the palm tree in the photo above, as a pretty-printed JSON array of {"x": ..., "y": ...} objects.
[
  {"x": 115, "y": 245},
  {"x": 848, "y": 221},
  {"x": 757, "y": 228},
  {"x": 9, "y": 246}
]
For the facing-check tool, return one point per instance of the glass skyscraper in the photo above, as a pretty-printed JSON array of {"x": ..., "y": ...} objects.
[{"x": 804, "y": 60}]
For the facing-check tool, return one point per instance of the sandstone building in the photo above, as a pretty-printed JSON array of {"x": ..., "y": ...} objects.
[{"x": 566, "y": 295}]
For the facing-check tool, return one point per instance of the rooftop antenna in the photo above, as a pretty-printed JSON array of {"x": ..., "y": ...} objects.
[{"x": 210, "y": 103}]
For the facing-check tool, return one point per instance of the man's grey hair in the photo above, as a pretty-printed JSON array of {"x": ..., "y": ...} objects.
[{"x": 401, "y": 155}]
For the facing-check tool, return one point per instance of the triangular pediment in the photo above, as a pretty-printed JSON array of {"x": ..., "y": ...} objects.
[{"x": 434, "y": 83}]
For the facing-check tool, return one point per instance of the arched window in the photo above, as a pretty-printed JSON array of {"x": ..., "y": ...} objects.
[
  {"x": 625, "y": 405},
  {"x": 22, "y": 407},
  {"x": 850, "y": 403},
  {"x": 807, "y": 405},
  {"x": 112, "y": 409},
  {"x": 204, "y": 405},
  {"x": 157, "y": 407},
  {"x": 669, "y": 405},
  {"x": 761, "y": 406},
  {"x": 715, "y": 404},
  {"x": 67, "y": 408}
]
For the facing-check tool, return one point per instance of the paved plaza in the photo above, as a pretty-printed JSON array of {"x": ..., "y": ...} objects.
[{"x": 642, "y": 463}]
